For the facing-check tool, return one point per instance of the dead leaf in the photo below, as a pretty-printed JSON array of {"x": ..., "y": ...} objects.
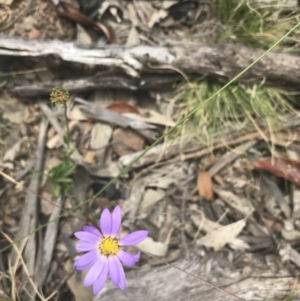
[
  {"x": 55, "y": 141},
  {"x": 6, "y": 2},
  {"x": 151, "y": 196},
  {"x": 272, "y": 225},
  {"x": 122, "y": 107},
  {"x": 75, "y": 284},
  {"x": 9, "y": 221},
  {"x": 152, "y": 247},
  {"x": 151, "y": 116},
  {"x": 49, "y": 164},
  {"x": 133, "y": 37},
  {"x": 166, "y": 4},
  {"x": 126, "y": 141},
  {"x": 68, "y": 11},
  {"x": 89, "y": 157},
  {"x": 34, "y": 34},
  {"x": 239, "y": 203},
  {"x": 281, "y": 167},
  {"x": 161, "y": 182},
  {"x": 110, "y": 170},
  {"x": 290, "y": 235},
  {"x": 100, "y": 136},
  {"x": 114, "y": 11},
  {"x": 11, "y": 153},
  {"x": 13, "y": 110},
  {"x": 47, "y": 204},
  {"x": 205, "y": 186},
  {"x": 296, "y": 201},
  {"x": 76, "y": 114},
  {"x": 156, "y": 17},
  {"x": 83, "y": 37},
  {"x": 218, "y": 238}
]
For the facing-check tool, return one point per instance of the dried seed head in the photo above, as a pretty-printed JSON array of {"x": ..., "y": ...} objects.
[{"x": 59, "y": 96}]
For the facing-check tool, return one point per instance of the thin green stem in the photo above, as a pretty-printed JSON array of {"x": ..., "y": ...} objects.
[
  {"x": 68, "y": 129},
  {"x": 178, "y": 124}
]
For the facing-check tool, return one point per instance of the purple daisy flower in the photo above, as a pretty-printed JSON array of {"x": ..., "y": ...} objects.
[{"x": 104, "y": 251}]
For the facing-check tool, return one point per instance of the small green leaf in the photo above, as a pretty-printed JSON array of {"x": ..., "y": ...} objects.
[
  {"x": 67, "y": 138},
  {"x": 56, "y": 190},
  {"x": 64, "y": 180},
  {"x": 290, "y": 297},
  {"x": 68, "y": 170}
]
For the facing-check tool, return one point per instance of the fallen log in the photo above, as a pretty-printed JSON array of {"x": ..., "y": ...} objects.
[
  {"x": 247, "y": 276},
  {"x": 220, "y": 61}
]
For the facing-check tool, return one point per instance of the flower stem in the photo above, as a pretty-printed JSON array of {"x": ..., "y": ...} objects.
[{"x": 67, "y": 125}]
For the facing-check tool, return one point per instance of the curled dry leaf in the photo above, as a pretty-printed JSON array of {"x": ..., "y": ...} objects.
[
  {"x": 68, "y": 11},
  {"x": 281, "y": 167},
  {"x": 122, "y": 107},
  {"x": 205, "y": 185}
]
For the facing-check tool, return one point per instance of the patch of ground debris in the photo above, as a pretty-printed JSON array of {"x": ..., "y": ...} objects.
[{"x": 237, "y": 194}]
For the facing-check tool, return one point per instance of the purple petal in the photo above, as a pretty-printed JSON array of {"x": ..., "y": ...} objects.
[
  {"x": 133, "y": 238},
  {"x": 137, "y": 256},
  {"x": 94, "y": 272},
  {"x": 100, "y": 281},
  {"x": 83, "y": 246},
  {"x": 126, "y": 258},
  {"x": 87, "y": 237},
  {"x": 116, "y": 218},
  {"x": 105, "y": 222},
  {"x": 122, "y": 280},
  {"x": 86, "y": 260},
  {"x": 113, "y": 270},
  {"x": 92, "y": 229}
]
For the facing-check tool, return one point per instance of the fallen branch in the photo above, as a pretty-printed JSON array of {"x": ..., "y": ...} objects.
[
  {"x": 29, "y": 217},
  {"x": 118, "y": 81},
  {"x": 222, "y": 61}
]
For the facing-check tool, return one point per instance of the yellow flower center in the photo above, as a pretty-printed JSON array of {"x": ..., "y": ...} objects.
[{"x": 109, "y": 246}]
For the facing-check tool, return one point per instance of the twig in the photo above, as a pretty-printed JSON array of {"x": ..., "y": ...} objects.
[
  {"x": 182, "y": 221},
  {"x": 75, "y": 86},
  {"x": 28, "y": 221},
  {"x": 231, "y": 156},
  {"x": 99, "y": 113},
  {"x": 49, "y": 243},
  {"x": 3, "y": 283}
]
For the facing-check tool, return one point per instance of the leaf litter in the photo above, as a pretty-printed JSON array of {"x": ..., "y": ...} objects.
[{"x": 155, "y": 188}]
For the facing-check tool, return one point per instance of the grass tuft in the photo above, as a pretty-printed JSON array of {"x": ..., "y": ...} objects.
[
  {"x": 243, "y": 107},
  {"x": 239, "y": 107},
  {"x": 256, "y": 25}
]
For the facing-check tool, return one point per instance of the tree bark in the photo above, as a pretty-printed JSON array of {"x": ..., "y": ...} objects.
[
  {"x": 247, "y": 276},
  {"x": 219, "y": 61}
]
